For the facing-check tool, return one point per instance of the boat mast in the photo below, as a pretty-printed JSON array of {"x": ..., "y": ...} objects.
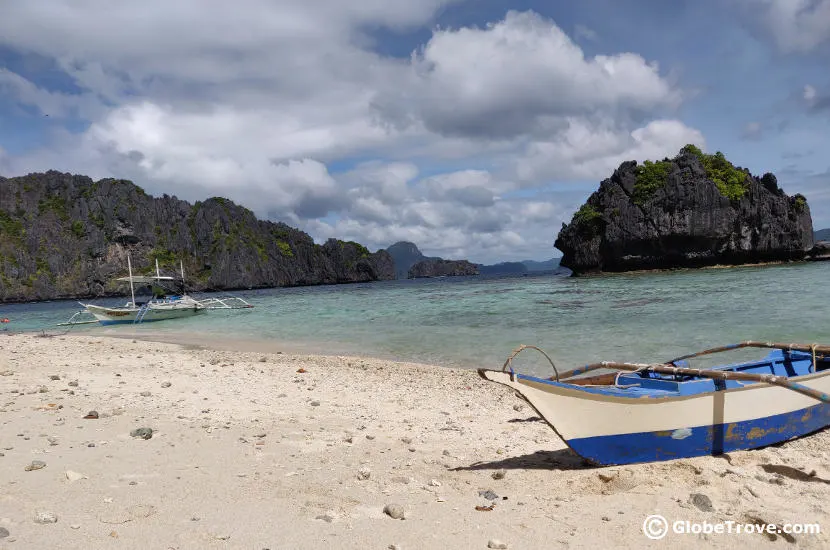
[
  {"x": 157, "y": 269},
  {"x": 181, "y": 266},
  {"x": 130, "y": 271}
]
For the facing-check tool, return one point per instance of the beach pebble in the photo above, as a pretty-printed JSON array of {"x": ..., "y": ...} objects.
[
  {"x": 701, "y": 502},
  {"x": 327, "y": 516},
  {"x": 73, "y": 383},
  {"x": 518, "y": 407},
  {"x": 74, "y": 476},
  {"x": 145, "y": 394},
  {"x": 394, "y": 547},
  {"x": 369, "y": 437},
  {"x": 394, "y": 511},
  {"x": 46, "y": 517},
  {"x": 499, "y": 474},
  {"x": 52, "y": 440},
  {"x": 143, "y": 433},
  {"x": 407, "y": 440},
  {"x": 488, "y": 494},
  {"x": 43, "y": 389},
  {"x": 263, "y": 359},
  {"x": 4, "y": 532},
  {"x": 315, "y": 403},
  {"x": 35, "y": 465},
  {"x": 92, "y": 415},
  {"x": 364, "y": 473},
  {"x": 75, "y": 526},
  {"x": 434, "y": 483},
  {"x": 54, "y": 377},
  {"x": 496, "y": 543},
  {"x": 166, "y": 384}
]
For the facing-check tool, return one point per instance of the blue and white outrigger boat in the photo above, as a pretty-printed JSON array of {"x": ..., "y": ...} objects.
[
  {"x": 651, "y": 412},
  {"x": 169, "y": 301}
]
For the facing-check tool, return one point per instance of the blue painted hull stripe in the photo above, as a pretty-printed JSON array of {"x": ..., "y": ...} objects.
[{"x": 701, "y": 440}]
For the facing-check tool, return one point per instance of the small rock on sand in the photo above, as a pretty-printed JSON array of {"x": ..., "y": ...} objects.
[
  {"x": 498, "y": 474},
  {"x": 394, "y": 511},
  {"x": 35, "y": 465},
  {"x": 166, "y": 384},
  {"x": 4, "y": 532},
  {"x": 46, "y": 517},
  {"x": 328, "y": 516},
  {"x": 496, "y": 543},
  {"x": 73, "y": 383},
  {"x": 74, "y": 476},
  {"x": 315, "y": 403},
  {"x": 364, "y": 473},
  {"x": 92, "y": 415},
  {"x": 145, "y": 394},
  {"x": 701, "y": 502},
  {"x": 54, "y": 377},
  {"x": 143, "y": 433}
]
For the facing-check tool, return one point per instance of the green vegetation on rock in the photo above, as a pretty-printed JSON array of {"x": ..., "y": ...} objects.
[
  {"x": 730, "y": 181},
  {"x": 651, "y": 176},
  {"x": 10, "y": 226},
  {"x": 586, "y": 214},
  {"x": 800, "y": 202},
  {"x": 285, "y": 249}
]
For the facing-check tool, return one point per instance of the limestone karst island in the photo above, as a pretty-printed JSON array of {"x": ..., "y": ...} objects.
[{"x": 693, "y": 210}]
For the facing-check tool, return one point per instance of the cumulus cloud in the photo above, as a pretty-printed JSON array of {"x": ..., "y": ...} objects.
[
  {"x": 520, "y": 76},
  {"x": 201, "y": 98},
  {"x": 795, "y": 25}
]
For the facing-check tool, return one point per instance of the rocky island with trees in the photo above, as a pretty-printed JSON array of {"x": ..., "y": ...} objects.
[{"x": 693, "y": 210}]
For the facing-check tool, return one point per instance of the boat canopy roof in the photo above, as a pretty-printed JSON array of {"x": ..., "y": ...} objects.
[{"x": 146, "y": 279}]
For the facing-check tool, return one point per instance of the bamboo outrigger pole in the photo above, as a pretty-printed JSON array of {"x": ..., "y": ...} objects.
[
  {"x": 669, "y": 368},
  {"x": 809, "y": 348},
  {"x": 771, "y": 379}
]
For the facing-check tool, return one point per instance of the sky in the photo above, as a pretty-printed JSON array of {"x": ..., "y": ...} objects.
[{"x": 473, "y": 128}]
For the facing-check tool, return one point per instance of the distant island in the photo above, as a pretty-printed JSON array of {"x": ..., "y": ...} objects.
[
  {"x": 67, "y": 236},
  {"x": 411, "y": 263},
  {"x": 822, "y": 235},
  {"x": 690, "y": 211}
]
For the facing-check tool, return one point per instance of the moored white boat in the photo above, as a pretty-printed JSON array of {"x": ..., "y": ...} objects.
[{"x": 162, "y": 306}]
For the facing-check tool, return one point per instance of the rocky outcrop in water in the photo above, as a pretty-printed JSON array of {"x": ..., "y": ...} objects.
[
  {"x": 65, "y": 236},
  {"x": 406, "y": 254},
  {"x": 442, "y": 268},
  {"x": 691, "y": 211}
]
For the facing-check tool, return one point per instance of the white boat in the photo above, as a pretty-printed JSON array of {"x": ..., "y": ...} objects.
[{"x": 167, "y": 302}]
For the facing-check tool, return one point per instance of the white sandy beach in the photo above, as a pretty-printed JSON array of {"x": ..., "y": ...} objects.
[{"x": 250, "y": 452}]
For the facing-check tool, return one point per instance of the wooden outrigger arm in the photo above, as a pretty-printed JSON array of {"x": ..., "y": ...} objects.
[{"x": 669, "y": 368}]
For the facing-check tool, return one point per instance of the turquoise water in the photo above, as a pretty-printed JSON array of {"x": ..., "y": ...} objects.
[{"x": 473, "y": 322}]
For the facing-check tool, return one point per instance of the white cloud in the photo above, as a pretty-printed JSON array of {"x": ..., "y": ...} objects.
[
  {"x": 520, "y": 76},
  {"x": 796, "y": 25},
  {"x": 593, "y": 150},
  {"x": 201, "y": 98}
]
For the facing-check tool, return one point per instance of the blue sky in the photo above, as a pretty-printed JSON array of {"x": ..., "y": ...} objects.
[{"x": 473, "y": 128}]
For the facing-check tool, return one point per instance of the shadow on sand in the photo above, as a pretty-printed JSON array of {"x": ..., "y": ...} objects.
[{"x": 561, "y": 459}]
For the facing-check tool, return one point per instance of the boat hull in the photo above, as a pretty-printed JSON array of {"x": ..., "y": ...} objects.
[
  {"x": 121, "y": 316},
  {"x": 608, "y": 428}
]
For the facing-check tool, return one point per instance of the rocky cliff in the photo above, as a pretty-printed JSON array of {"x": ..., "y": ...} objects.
[
  {"x": 690, "y": 211},
  {"x": 65, "y": 236},
  {"x": 442, "y": 268},
  {"x": 406, "y": 254}
]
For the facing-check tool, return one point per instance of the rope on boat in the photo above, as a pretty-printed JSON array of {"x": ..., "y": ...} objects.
[{"x": 509, "y": 362}]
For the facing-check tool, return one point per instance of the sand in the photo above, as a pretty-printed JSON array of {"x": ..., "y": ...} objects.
[{"x": 272, "y": 450}]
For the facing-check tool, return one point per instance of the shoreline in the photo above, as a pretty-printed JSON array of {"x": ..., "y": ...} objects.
[{"x": 280, "y": 450}]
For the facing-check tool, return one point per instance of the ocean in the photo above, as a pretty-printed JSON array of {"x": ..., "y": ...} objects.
[{"x": 476, "y": 321}]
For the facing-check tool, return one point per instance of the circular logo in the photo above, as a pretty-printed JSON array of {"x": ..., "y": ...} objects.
[{"x": 655, "y": 527}]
